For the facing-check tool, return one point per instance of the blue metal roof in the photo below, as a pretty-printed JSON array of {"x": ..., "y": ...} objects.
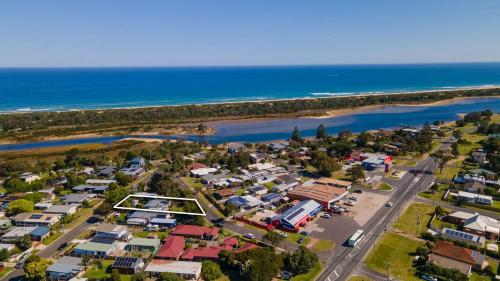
[{"x": 40, "y": 231}]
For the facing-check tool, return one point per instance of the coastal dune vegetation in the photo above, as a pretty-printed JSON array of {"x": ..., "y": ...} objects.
[{"x": 26, "y": 126}]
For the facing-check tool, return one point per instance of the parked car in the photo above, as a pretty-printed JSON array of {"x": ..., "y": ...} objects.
[
  {"x": 428, "y": 278},
  {"x": 358, "y": 191},
  {"x": 283, "y": 234},
  {"x": 326, "y": 216},
  {"x": 249, "y": 236},
  {"x": 62, "y": 246},
  {"x": 350, "y": 203},
  {"x": 286, "y": 275},
  {"x": 305, "y": 233},
  {"x": 353, "y": 198},
  {"x": 151, "y": 227},
  {"x": 389, "y": 204},
  {"x": 301, "y": 240}
]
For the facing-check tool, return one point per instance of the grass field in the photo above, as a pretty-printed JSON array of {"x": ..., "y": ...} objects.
[
  {"x": 82, "y": 215},
  {"x": 324, "y": 245},
  {"x": 7, "y": 270},
  {"x": 394, "y": 250},
  {"x": 103, "y": 274},
  {"x": 359, "y": 278},
  {"x": 416, "y": 212},
  {"x": 53, "y": 237},
  {"x": 384, "y": 186},
  {"x": 311, "y": 275}
]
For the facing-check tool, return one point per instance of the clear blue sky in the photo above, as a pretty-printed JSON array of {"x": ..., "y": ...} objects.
[{"x": 255, "y": 32}]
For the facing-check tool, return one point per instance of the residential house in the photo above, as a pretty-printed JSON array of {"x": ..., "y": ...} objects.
[
  {"x": 195, "y": 231},
  {"x": 39, "y": 233},
  {"x": 244, "y": 202},
  {"x": 106, "y": 171},
  {"x": 65, "y": 268},
  {"x": 190, "y": 271},
  {"x": 246, "y": 247},
  {"x": 17, "y": 233},
  {"x": 63, "y": 210},
  {"x": 202, "y": 172},
  {"x": 172, "y": 248},
  {"x": 112, "y": 231},
  {"x": 475, "y": 198},
  {"x": 201, "y": 254},
  {"x": 257, "y": 190},
  {"x": 94, "y": 249},
  {"x": 474, "y": 186},
  {"x": 461, "y": 236},
  {"x": 447, "y": 255},
  {"x": 90, "y": 188},
  {"x": 128, "y": 265},
  {"x": 77, "y": 199},
  {"x": 223, "y": 194},
  {"x": 29, "y": 177},
  {"x": 234, "y": 148},
  {"x": 32, "y": 219},
  {"x": 99, "y": 182},
  {"x": 143, "y": 245},
  {"x": 479, "y": 156}
]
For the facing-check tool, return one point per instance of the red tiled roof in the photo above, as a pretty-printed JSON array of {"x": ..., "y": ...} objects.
[
  {"x": 172, "y": 249},
  {"x": 231, "y": 241},
  {"x": 225, "y": 192},
  {"x": 196, "y": 165},
  {"x": 246, "y": 247},
  {"x": 451, "y": 251},
  {"x": 206, "y": 253},
  {"x": 194, "y": 230}
]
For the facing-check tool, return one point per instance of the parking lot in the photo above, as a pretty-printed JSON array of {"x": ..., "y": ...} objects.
[{"x": 367, "y": 205}]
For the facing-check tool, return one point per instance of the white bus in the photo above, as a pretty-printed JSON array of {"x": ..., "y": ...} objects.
[{"x": 355, "y": 238}]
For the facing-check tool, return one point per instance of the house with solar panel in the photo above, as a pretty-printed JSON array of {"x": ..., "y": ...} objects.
[
  {"x": 31, "y": 219},
  {"x": 128, "y": 265},
  {"x": 447, "y": 255},
  {"x": 461, "y": 236},
  {"x": 298, "y": 215}
]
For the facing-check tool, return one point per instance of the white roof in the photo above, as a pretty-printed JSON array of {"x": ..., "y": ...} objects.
[
  {"x": 474, "y": 195},
  {"x": 203, "y": 171},
  {"x": 261, "y": 166},
  {"x": 99, "y": 181},
  {"x": 178, "y": 267}
]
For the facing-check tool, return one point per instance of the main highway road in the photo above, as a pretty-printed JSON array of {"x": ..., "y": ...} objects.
[{"x": 341, "y": 266}]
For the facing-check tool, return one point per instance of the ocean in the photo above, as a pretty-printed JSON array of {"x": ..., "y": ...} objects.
[{"x": 45, "y": 89}]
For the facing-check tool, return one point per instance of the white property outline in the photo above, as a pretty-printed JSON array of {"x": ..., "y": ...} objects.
[{"x": 160, "y": 211}]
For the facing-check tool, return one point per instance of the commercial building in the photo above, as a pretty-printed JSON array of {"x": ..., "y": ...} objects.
[
  {"x": 321, "y": 192},
  {"x": 377, "y": 162},
  {"x": 298, "y": 215}
]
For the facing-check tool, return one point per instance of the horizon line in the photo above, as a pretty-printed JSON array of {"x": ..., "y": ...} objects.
[{"x": 247, "y": 65}]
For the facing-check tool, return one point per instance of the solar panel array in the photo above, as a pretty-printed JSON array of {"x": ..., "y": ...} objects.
[
  {"x": 294, "y": 214},
  {"x": 125, "y": 262},
  {"x": 35, "y": 216},
  {"x": 459, "y": 234}
]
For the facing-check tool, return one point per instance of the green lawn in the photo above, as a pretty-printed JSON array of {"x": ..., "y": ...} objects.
[
  {"x": 324, "y": 245},
  {"x": 359, "y": 278},
  {"x": 384, "y": 186},
  {"x": 293, "y": 237},
  {"x": 207, "y": 203},
  {"x": 193, "y": 183},
  {"x": 102, "y": 274},
  {"x": 449, "y": 172},
  {"x": 82, "y": 215},
  {"x": 311, "y": 275},
  {"x": 7, "y": 270},
  {"x": 52, "y": 237},
  {"x": 416, "y": 212},
  {"x": 441, "y": 224},
  {"x": 394, "y": 250},
  {"x": 144, "y": 234}
]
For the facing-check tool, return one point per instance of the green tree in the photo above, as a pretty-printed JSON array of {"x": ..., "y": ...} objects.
[
  {"x": 273, "y": 237},
  {"x": 4, "y": 254},
  {"x": 115, "y": 275},
  {"x": 114, "y": 196},
  {"x": 25, "y": 243},
  {"x": 321, "y": 132},
  {"x": 355, "y": 173},
  {"x": 35, "y": 270},
  {"x": 103, "y": 209},
  {"x": 296, "y": 135},
  {"x": 301, "y": 261},
  {"x": 210, "y": 271},
  {"x": 260, "y": 264},
  {"x": 19, "y": 206},
  {"x": 123, "y": 179},
  {"x": 439, "y": 211}
]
